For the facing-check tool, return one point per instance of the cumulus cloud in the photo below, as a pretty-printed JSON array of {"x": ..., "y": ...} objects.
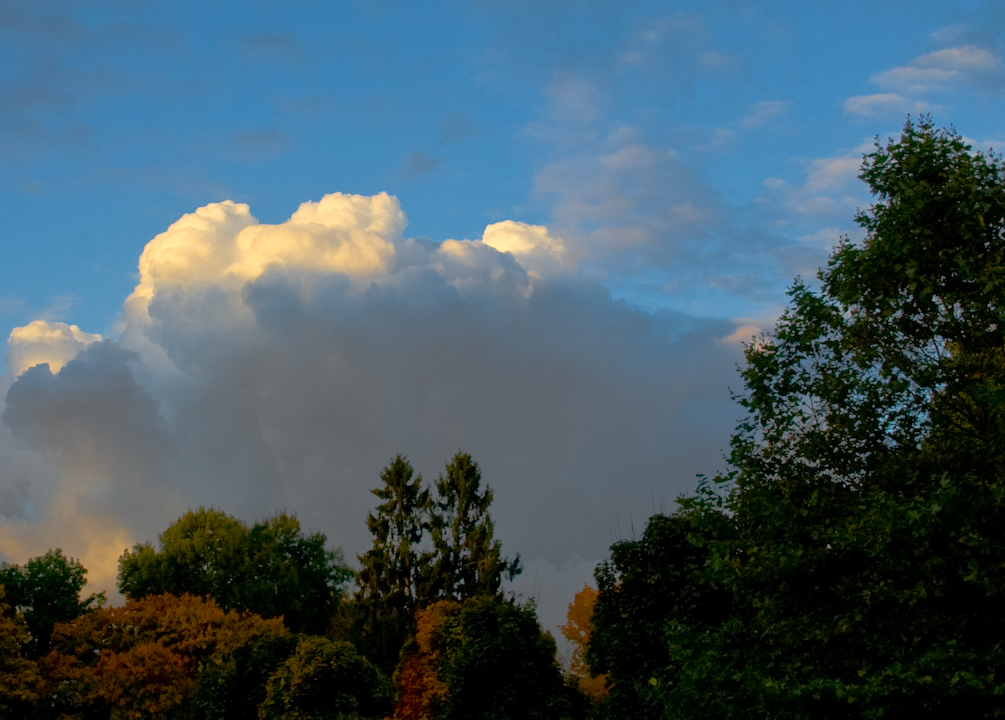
[
  {"x": 261, "y": 367},
  {"x": 42, "y": 342}
]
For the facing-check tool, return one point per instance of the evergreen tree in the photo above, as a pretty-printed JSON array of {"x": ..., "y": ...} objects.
[
  {"x": 392, "y": 576},
  {"x": 467, "y": 559}
]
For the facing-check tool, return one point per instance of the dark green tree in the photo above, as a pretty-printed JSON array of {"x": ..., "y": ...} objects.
[
  {"x": 271, "y": 569},
  {"x": 326, "y": 680},
  {"x": 484, "y": 658},
  {"x": 233, "y": 687},
  {"x": 867, "y": 491},
  {"x": 46, "y": 590},
  {"x": 467, "y": 558},
  {"x": 392, "y": 575},
  {"x": 649, "y": 585}
]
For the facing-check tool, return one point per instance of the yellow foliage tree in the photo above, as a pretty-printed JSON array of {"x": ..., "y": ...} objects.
[{"x": 577, "y": 630}]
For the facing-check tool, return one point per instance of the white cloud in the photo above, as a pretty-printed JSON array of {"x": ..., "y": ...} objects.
[
  {"x": 883, "y": 104},
  {"x": 224, "y": 243},
  {"x": 40, "y": 341},
  {"x": 939, "y": 70}
]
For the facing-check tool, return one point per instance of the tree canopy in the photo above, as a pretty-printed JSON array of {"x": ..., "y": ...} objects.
[
  {"x": 860, "y": 534},
  {"x": 46, "y": 590},
  {"x": 272, "y": 568}
]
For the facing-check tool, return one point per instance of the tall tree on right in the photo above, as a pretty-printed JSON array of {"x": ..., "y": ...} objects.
[
  {"x": 467, "y": 558},
  {"x": 866, "y": 554}
]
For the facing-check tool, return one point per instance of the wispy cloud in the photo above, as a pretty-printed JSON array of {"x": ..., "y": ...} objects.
[
  {"x": 416, "y": 163},
  {"x": 884, "y": 104},
  {"x": 939, "y": 70}
]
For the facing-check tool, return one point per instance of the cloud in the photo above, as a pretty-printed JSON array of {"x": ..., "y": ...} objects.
[
  {"x": 261, "y": 367},
  {"x": 259, "y": 143},
  {"x": 760, "y": 113},
  {"x": 417, "y": 163},
  {"x": 831, "y": 190},
  {"x": 42, "y": 342},
  {"x": 273, "y": 46},
  {"x": 939, "y": 70},
  {"x": 883, "y": 104},
  {"x": 456, "y": 127},
  {"x": 533, "y": 245}
]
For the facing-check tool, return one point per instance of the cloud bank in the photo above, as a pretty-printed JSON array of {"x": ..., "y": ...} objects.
[{"x": 261, "y": 367}]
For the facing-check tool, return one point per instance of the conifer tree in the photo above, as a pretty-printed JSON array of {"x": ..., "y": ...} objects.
[{"x": 468, "y": 558}]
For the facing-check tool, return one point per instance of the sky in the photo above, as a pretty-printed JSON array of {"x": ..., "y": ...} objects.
[{"x": 251, "y": 251}]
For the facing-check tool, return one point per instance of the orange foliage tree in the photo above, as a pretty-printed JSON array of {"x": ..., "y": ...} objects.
[
  {"x": 140, "y": 660},
  {"x": 577, "y": 630},
  {"x": 421, "y": 690}
]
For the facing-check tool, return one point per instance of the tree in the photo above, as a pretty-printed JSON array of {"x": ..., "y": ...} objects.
[
  {"x": 21, "y": 684},
  {"x": 142, "y": 659},
  {"x": 424, "y": 549},
  {"x": 867, "y": 490},
  {"x": 392, "y": 573},
  {"x": 577, "y": 630},
  {"x": 484, "y": 658},
  {"x": 272, "y": 569},
  {"x": 648, "y": 586},
  {"x": 467, "y": 560},
  {"x": 325, "y": 680},
  {"x": 46, "y": 591}
]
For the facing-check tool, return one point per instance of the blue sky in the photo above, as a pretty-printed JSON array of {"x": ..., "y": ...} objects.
[{"x": 687, "y": 160}]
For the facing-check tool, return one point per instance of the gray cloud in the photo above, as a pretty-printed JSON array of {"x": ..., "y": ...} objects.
[
  {"x": 293, "y": 388},
  {"x": 417, "y": 163}
]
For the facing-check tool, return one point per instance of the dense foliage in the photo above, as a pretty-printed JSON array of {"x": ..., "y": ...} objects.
[
  {"x": 484, "y": 658},
  {"x": 45, "y": 591},
  {"x": 272, "y": 568},
  {"x": 860, "y": 533}
]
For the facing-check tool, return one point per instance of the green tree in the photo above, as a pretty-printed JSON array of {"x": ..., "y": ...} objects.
[
  {"x": 467, "y": 560},
  {"x": 272, "y": 569},
  {"x": 867, "y": 491},
  {"x": 649, "y": 585},
  {"x": 392, "y": 573},
  {"x": 326, "y": 680},
  {"x": 46, "y": 591},
  {"x": 485, "y": 658}
]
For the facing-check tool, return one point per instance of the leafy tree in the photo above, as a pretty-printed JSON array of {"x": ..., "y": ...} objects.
[
  {"x": 141, "y": 660},
  {"x": 577, "y": 630},
  {"x": 271, "y": 569},
  {"x": 46, "y": 591},
  {"x": 392, "y": 574},
  {"x": 648, "y": 585},
  {"x": 326, "y": 680},
  {"x": 467, "y": 560},
  {"x": 484, "y": 658},
  {"x": 867, "y": 492},
  {"x": 233, "y": 685},
  {"x": 21, "y": 684}
]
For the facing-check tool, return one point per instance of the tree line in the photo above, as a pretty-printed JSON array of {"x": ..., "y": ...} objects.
[{"x": 849, "y": 563}]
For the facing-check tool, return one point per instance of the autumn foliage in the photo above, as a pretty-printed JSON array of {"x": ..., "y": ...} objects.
[
  {"x": 421, "y": 689},
  {"x": 577, "y": 630},
  {"x": 142, "y": 659}
]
